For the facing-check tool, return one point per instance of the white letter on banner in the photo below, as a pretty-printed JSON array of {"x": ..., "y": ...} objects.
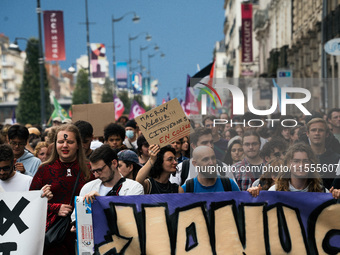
[
  {"x": 226, "y": 233},
  {"x": 156, "y": 231},
  {"x": 126, "y": 224},
  {"x": 294, "y": 228},
  {"x": 196, "y": 227}
]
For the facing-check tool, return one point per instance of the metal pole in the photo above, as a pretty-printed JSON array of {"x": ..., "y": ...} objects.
[
  {"x": 141, "y": 62},
  {"x": 129, "y": 78},
  {"x": 88, "y": 53},
  {"x": 113, "y": 51},
  {"x": 323, "y": 55},
  {"x": 41, "y": 70},
  {"x": 149, "y": 66}
]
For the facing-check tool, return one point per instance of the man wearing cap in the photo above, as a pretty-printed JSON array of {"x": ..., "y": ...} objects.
[
  {"x": 26, "y": 163},
  {"x": 131, "y": 135},
  {"x": 56, "y": 121},
  {"x": 33, "y": 139},
  {"x": 128, "y": 164},
  {"x": 108, "y": 182}
]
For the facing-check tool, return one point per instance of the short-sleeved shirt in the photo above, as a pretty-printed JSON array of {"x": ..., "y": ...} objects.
[{"x": 217, "y": 187}]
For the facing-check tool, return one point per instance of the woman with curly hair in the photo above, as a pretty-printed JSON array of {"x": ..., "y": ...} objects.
[
  {"x": 154, "y": 175},
  {"x": 40, "y": 151}
]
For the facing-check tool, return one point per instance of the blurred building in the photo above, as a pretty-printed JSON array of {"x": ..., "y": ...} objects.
[
  {"x": 233, "y": 41},
  {"x": 97, "y": 83},
  {"x": 273, "y": 30},
  {"x": 11, "y": 71}
]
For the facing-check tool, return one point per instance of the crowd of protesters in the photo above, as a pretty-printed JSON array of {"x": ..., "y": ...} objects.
[{"x": 215, "y": 158}]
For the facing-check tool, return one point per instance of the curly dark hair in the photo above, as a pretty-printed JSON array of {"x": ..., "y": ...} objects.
[
  {"x": 6, "y": 153},
  {"x": 157, "y": 168},
  {"x": 114, "y": 129}
]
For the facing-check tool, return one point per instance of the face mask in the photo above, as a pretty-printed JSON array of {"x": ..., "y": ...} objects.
[{"x": 129, "y": 134}]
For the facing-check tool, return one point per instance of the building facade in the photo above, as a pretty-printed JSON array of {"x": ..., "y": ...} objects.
[{"x": 11, "y": 71}]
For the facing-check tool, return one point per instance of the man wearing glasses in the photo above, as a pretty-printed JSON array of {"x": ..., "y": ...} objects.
[
  {"x": 250, "y": 168},
  {"x": 108, "y": 182},
  {"x": 274, "y": 149},
  {"x": 10, "y": 180},
  {"x": 25, "y": 162}
]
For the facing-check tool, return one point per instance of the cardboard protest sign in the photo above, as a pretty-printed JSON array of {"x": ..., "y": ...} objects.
[
  {"x": 217, "y": 223},
  {"x": 22, "y": 222},
  {"x": 164, "y": 124},
  {"x": 99, "y": 115}
]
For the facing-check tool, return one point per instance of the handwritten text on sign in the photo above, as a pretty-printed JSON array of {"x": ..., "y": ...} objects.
[
  {"x": 164, "y": 124},
  {"x": 212, "y": 223}
]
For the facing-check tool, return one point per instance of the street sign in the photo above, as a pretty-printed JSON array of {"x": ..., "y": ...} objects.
[
  {"x": 332, "y": 47},
  {"x": 284, "y": 77}
]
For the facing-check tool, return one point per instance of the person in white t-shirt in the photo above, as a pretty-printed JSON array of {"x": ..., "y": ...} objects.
[
  {"x": 11, "y": 180},
  {"x": 109, "y": 181}
]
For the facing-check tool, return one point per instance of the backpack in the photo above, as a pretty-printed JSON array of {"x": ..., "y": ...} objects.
[
  {"x": 225, "y": 182},
  {"x": 186, "y": 167}
]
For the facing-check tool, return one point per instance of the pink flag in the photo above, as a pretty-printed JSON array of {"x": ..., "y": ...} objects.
[
  {"x": 136, "y": 110},
  {"x": 163, "y": 101},
  {"x": 119, "y": 106},
  {"x": 191, "y": 104}
]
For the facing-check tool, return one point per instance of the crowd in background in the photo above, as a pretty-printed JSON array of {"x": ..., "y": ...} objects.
[{"x": 302, "y": 158}]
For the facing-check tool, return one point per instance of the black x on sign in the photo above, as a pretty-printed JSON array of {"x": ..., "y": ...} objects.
[{"x": 12, "y": 217}]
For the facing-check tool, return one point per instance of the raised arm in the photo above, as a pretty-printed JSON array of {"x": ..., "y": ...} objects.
[{"x": 144, "y": 172}]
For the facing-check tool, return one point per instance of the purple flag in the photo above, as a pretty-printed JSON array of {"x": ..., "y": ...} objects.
[{"x": 136, "y": 110}]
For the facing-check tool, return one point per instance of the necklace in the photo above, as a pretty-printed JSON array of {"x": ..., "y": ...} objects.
[{"x": 68, "y": 168}]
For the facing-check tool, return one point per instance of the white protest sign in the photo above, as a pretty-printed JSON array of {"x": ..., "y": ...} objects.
[
  {"x": 84, "y": 227},
  {"x": 23, "y": 222}
]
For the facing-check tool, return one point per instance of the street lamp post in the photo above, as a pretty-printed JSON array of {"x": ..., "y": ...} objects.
[
  {"x": 88, "y": 53},
  {"x": 156, "y": 48},
  {"x": 149, "y": 62},
  {"x": 41, "y": 69},
  {"x": 135, "y": 19},
  {"x": 148, "y": 38}
]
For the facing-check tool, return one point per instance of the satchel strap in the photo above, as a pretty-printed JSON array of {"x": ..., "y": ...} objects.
[{"x": 75, "y": 187}]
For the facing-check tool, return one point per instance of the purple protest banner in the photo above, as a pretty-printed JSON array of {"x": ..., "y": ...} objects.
[
  {"x": 135, "y": 110},
  {"x": 217, "y": 223}
]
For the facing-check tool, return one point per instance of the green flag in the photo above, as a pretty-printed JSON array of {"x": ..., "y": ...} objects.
[{"x": 59, "y": 111}]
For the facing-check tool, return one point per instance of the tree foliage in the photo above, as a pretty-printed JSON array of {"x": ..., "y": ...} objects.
[
  {"x": 28, "y": 110},
  {"x": 81, "y": 92},
  {"x": 124, "y": 96},
  {"x": 107, "y": 95}
]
